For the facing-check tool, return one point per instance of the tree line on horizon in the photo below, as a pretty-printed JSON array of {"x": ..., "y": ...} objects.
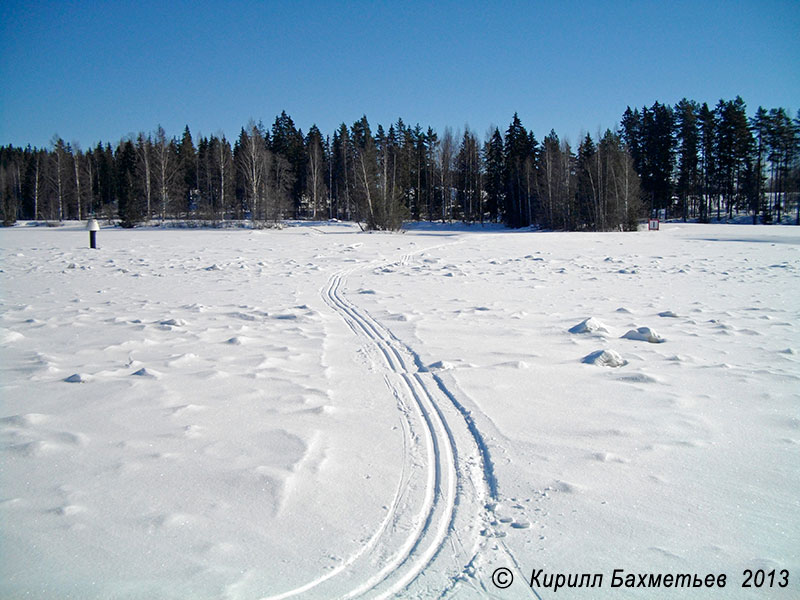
[{"x": 689, "y": 161}]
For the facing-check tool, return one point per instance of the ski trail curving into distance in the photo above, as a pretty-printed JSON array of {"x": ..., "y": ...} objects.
[{"x": 437, "y": 521}]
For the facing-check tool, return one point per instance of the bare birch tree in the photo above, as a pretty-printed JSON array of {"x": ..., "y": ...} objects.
[
  {"x": 144, "y": 155},
  {"x": 166, "y": 168}
]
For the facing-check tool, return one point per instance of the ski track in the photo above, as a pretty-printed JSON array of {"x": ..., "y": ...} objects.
[{"x": 458, "y": 481}]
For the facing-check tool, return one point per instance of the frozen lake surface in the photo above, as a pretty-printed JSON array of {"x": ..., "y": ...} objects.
[{"x": 318, "y": 412}]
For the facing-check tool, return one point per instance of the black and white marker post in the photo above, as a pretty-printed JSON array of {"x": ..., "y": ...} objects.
[{"x": 93, "y": 228}]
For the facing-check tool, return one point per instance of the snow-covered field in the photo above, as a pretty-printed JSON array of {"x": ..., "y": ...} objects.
[{"x": 322, "y": 413}]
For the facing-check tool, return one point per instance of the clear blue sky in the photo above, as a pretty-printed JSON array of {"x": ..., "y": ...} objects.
[{"x": 91, "y": 71}]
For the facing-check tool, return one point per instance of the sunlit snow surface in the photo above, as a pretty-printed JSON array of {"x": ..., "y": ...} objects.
[{"x": 318, "y": 412}]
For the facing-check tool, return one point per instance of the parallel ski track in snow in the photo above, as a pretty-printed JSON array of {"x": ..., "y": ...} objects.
[{"x": 458, "y": 481}]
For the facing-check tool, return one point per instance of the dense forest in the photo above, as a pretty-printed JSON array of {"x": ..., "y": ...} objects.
[{"x": 687, "y": 161}]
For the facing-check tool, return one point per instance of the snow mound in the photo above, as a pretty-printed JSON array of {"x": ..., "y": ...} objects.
[
  {"x": 169, "y": 323},
  {"x": 644, "y": 334},
  {"x": 144, "y": 372},
  {"x": 182, "y": 359},
  {"x": 638, "y": 378},
  {"x": 69, "y": 510},
  {"x": 679, "y": 358},
  {"x": 514, "y": 364},
  {"x": 7, "y": 336},
  {"x": 590, "y": 325},
  {"x": 26, "y": 420},
  {"x": 402, "y": 318},
  {"x": 78, "y": 378},
  {"x": 441, "y": 365},
  {"x": 605, "y": 358},
  {"x": 668, "y": 314}
]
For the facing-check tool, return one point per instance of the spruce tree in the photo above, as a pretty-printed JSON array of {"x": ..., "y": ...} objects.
[
  {"x": 187, "y": 164},
  {"x": 469, "y": 178},
  {"x": 495, "y": 175},
  {"x": 129, "y": 205},
  {"x": 288, "y": 142},
  {"x": 632, "y": 136},
  {"x": 688, "y": 160},
  {"x": 343, "y": 173},
  {"x": 759, "y": 126},
  {"x": 106, "y": 184},
  {"x": 517, "y": 152}
]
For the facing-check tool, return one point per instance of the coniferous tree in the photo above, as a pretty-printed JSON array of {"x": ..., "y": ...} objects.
[
  {"x": 89, "y": 166},
  {"x": 32, "y": 183},
  {"x": 759, "y": 126},
  {"x": 280, "y": 185},
  {"x": 726, "y": 154},
  {"x": 430, "y": 143},
  {"x": 782, "y": 135},
  {"x": 288, "y": 142},
  {"x": 660, "y": 145},
  {"x": 796, "y": 165},
  {"x": 130, "y": 210},
  {"x": 59, "y": 170},
  {"x": 82, "y": 178},
  {"x": 343, "y": 172},
  {"x": 518, "y": 152},
  {"x": 688, "y": 135},
  {"x": 406, "y": 168},
  {"x": 378, "y": 211},
  {"x": 568, "y": 210},
  {"x": 531, "y": 179},
  {"x": 445, "y": 157},
  {"x": 632, "y": 136},
  {"x": 205, "y": 206},
  {"x": 469, "y": 169},
  {"x": 744, "y": 151},
  {"x": 552, "y": 179},
  {"x": 425, "y": 142},
  {"x": 11, "y": 160},
  {"x": 187, "y": 165},
  {"x": 708, "y": 161},
  {"x": 366, "y": 168},
  {"x": 495, "y": 175},
  {"x": 649, "y": 138}
]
